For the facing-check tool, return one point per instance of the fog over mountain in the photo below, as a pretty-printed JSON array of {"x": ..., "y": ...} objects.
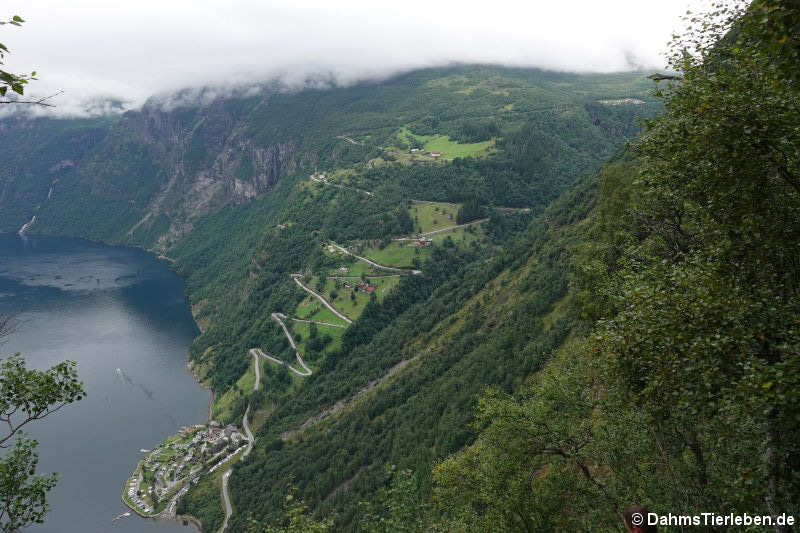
[{"x": 98, "y": 52}]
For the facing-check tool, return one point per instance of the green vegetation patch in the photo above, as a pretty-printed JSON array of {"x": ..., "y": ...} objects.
[
  {"x": 443, "y": 144},
  {"x": 312, "y": 309},
  {"x": 430, "y": 216},
  {"x": 223, "y": 407},
  {"x": 348, "y": 296},
  {"x": 451, "y": 149},
  {"x": 462, "y": 236},
  {"x": 316, "y": 340},
  {"x": 399, "y": 254}
]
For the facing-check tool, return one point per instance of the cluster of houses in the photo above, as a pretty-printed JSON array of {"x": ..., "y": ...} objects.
[
  {"x": 420, "y": 151},
  {"x": 175, "y": 461},
  {"x": 361, "y": 285},
  {"x": 134, "y": 495},
  {"x": 366, "y": 287}
]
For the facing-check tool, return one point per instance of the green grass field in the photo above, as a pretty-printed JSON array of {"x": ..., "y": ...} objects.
[
  {"x": 352, "y": 301},
  {"x": 433, "y": 216},
  {"x": 442, "y": 143},
  {"x": 398, "y": 254},
  {"x": 461, "y": 236},
  {"x": 222, "y": 405},
  {"x": 451, "y": 149},
  {"x": 349, "y": 301},
  {"x": 354, "y": 267},
  {"x": 312, "y": 309},
  {"x": 304, "y": 330}
]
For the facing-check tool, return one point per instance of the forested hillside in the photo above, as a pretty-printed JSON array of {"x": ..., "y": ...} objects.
[
  {"x": 478, "y": 298},
  {"x": 659, "y": 352},
  {"x": 634, "y": 342},
  {"x": 434, "y": 182},
  {"x": 145, "y": 177},
  {"x": 364, "y": 206}
]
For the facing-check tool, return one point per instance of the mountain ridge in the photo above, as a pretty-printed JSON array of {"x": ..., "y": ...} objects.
[{"x": 226, "y": 192}]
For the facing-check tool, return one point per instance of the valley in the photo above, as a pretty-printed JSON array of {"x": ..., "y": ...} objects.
[
  {"x": 342, "y": 271},
  {"x": 462, "y": 297}
]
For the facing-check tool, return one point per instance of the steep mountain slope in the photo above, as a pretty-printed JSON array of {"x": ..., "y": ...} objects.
[
  {"x": 149, "y": 174},
  {"x": 407, "y": 396},
  {"x": 270, "y": 204}
]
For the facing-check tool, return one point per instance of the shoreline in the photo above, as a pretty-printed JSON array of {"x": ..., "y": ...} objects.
[
  {"x": 158, "y": 256},
  {"x": 212, "y": 396},
  {"x": 189, "y": 519}
]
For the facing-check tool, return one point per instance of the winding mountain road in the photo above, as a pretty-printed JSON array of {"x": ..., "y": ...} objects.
[
  {"x": 317, "y": 322},
  {"x": 296, "y": 278},
  {"x": 278, "y": 317},
  {"x": 373, "y": 263},
  {"x": 246, "y": 426},
  {"x": 451, "y": 228},
  {"x": 257, "y": 368},
  {"x": 277, "y": 361},
  {"x": 322, "y": 179},
  {"x": 226, "y": 499}
]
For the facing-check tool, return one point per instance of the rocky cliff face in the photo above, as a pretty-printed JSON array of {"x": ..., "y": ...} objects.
[
  {"x": 207, "y": 163},
  {"x": 153, "y": 171}
]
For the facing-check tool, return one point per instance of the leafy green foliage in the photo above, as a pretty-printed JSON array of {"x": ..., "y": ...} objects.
[
  {"x": 470, "y": 210},
  {"x": 684, "y": 395},
  {"x": 8, "y": 80},
  {"x": 710, "y": 273},
  {"x": 204, "y": 503},
  {"x": 23, "y": 493},
  {"x": 398, "y": 507},
  {"x": 28, "y": 395},
  {"x": 481, "y": 313},
  {"x": 297, "y": 519}
]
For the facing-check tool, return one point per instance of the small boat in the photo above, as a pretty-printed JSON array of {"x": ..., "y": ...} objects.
[
  {"x": 142, "y": 450},
  {"x": 121, "y": 516}
]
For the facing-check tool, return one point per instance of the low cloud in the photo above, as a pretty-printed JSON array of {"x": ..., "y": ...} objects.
[{"x": 108, "y": 56}]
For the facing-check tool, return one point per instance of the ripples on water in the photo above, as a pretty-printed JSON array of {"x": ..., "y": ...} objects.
[{"x": 122, "y": 315}]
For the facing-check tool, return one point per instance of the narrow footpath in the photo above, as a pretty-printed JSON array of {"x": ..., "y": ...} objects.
[
  {"x": 348, "y": 139},
  {"x": 322, "y": 179},
  {"x": 418, "y": 236}
]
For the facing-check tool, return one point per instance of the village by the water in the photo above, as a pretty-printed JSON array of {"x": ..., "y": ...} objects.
[
  {"x": 356, "y": 273},
  {"x": 167, "y": 471}
]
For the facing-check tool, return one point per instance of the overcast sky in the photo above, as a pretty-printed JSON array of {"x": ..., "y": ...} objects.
[{"x": 100, "y": 49}]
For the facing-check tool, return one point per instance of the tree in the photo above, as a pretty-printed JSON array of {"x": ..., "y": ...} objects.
[
  {"x": 470, "y": 210},
  {"x": 399, "y": 507},
  {"x": 28, "y": 395},
  {"x": 684, "y": 397},
  {"x": 296, "y": 517},
  {"x": 10, "y": 80},
  {"x": 704, "y": 329}
]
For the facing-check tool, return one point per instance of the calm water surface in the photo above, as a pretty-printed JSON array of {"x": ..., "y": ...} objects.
[{"x": 107, "y": 308}]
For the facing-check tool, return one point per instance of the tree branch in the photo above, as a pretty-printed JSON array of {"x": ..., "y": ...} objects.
[{"x": 40, "y": 101}]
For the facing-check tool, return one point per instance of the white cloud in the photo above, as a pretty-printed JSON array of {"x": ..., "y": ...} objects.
[{"x": 127, "y": 51}]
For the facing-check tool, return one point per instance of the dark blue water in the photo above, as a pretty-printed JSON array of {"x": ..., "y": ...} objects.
[{"x": 107, "y": 308}]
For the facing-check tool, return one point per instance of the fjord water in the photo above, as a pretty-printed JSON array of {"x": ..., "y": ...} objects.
[{"x": 107, "y": 308}]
